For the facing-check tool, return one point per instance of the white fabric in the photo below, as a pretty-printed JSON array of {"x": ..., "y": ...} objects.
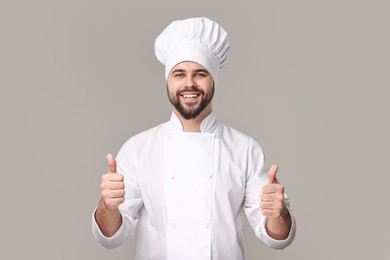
[
  {"x": 187, "y": 192},
  {"x": 195, "y": 39}
]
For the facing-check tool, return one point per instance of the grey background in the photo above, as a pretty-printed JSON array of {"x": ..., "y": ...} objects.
[{"x": 307, "y": 79}]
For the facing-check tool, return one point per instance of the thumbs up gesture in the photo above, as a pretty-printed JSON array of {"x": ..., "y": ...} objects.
[
  {"x": 272, "y": 196},
  {"x": 112, "y": 186}
]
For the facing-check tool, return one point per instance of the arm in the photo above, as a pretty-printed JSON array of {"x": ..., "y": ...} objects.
[
  {"x": 274, "y": 224},
  {"x": 115, "y": 218},
  {"x": 278, "y": 223},
  {"x": 279, "y": 228},
  {"x": 109, "y": 221}
]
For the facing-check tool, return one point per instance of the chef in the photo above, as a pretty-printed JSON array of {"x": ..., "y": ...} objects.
[{"x": 185, "y": 185}]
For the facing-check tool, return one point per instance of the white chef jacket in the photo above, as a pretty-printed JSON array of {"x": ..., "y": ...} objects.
[{"x": 186, "y": 193}]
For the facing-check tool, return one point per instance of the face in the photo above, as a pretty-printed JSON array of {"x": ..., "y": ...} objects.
[{"x": 190, "y": 89}]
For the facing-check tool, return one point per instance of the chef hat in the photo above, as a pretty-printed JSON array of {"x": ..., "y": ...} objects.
[{"x": 196, "y": 39}]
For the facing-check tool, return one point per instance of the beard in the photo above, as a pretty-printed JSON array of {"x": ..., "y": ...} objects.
[{"x": 190, "y": 110}]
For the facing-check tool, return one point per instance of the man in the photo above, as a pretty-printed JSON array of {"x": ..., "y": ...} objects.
[{"x": 186, "y": 184}]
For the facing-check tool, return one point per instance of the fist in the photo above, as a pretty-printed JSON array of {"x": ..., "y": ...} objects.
[
  {"x": 112, "y": 186},
  {"x": 272, "y": 196}
]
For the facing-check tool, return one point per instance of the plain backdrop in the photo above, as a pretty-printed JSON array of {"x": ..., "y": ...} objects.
[{"x": 309, "y": 80}]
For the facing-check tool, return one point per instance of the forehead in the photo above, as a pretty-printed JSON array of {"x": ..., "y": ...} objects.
[{"x": 188, "y": 66}]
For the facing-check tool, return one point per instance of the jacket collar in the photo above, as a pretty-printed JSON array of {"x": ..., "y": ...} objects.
[{"x": 208, "y": 124}]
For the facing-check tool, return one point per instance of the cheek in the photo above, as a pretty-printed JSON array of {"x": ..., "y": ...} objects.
[
  {"x": 172, "y": 90},
  {"x": 173, "y": 86},
  {"x": 210, "y": 87},
  {"x": 209, "y": 84}
]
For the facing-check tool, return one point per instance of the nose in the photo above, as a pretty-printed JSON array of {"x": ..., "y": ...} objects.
[{"x": 190, "y": 83}]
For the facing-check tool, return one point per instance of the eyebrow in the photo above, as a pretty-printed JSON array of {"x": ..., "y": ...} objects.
[{"x": 194, "y": 71}]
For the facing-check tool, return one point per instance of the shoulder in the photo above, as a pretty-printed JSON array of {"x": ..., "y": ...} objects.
[
  {"x": 240, "y": 144},
  {"x": 140, "y": 145},
  {"x": 241, "y": 149},
  {"x": 145, "y": 137},
  {"x": 236, "y": 137}
]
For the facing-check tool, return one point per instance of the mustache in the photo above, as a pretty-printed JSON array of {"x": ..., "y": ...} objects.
[{"x": 191, "y": 89}]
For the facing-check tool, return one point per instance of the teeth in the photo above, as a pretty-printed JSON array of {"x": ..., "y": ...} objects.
[{"x": 189, "y": 96}]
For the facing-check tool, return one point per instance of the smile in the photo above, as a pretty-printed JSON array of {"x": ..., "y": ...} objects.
[{"x": 189, "y": 96}]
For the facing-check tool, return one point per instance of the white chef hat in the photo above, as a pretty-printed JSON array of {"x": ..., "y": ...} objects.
[{"x": 196, "y": 39}]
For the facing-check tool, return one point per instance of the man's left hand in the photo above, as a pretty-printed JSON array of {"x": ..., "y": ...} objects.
[{"x": 272, "y": 196}]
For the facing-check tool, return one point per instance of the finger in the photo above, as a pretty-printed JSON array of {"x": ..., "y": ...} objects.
[
  {"x": 272, "y": 174},
  {"x": 267, "y": 212},
  {"x": 113, "y": 203},
  {"x": 111, "y": 163},
  {"x": 119, "y": 185},
  {"x": 267, "y": 205},
  {"x": 112, "y": 176},
  {"x": 115, "y": 183},
  {"x": 267, "y": 197},
  {"x": 272, "y": 197},
  {"x": 113, "y": 194},
  {"x": 271, "y": 213}
]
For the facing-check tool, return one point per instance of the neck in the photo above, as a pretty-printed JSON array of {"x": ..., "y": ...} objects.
[{"x": 193, "y": 125}]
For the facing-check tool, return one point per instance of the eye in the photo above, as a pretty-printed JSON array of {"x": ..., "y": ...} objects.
[
  {"x": 179, "y": 75},
  {"x": 200, "y": 75}
]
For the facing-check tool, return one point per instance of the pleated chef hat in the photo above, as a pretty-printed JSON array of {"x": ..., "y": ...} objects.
[{"x": 196, "y": 39}]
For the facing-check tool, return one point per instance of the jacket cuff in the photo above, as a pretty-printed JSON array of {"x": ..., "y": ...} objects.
[{"x": 273, "y": 243}]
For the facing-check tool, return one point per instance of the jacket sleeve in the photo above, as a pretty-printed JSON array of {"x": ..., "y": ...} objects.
[
  {"x": 257, "y": 177},
  {"x": 129, "y": 209}
]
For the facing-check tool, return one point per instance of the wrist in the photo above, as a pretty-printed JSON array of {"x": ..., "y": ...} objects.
[
  {"x": 279, "y": 228},
  {"x": 103, "y": 209}
]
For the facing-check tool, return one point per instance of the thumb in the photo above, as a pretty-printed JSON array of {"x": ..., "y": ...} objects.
[
  {"x": 111, "y": 163},
  {"x": 272, "y": 174}
]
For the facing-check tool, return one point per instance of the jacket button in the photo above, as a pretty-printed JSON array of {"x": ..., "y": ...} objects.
[
  {"x": 173, "y": 225},
  {"x": 206, "y": 225}
]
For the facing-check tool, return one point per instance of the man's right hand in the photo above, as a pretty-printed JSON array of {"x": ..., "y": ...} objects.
[
  {"x": 112, "y": 186},
  {"x": 107, "y": 214}
]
